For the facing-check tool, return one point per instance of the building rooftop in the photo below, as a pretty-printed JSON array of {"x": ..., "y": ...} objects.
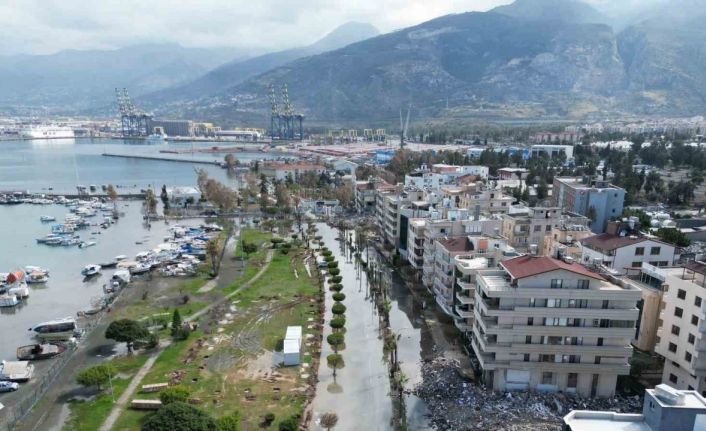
[
  {"x": 581, "y": 420},
  {"x": 607, "y": 241},
  {"x": 456, "y": 245},
  {"x": 528, "y": 266}
]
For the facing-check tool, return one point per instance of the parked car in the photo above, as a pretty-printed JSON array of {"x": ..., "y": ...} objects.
[{"x": 9, "y": 386}]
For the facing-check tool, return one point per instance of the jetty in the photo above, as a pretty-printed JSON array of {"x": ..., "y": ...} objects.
[{"x": 165, "y": 159}]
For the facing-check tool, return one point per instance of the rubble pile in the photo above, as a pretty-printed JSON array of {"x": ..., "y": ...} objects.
[{"x": 457, "y": 404}]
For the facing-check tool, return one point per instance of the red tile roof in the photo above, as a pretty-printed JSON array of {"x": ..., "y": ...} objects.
[
  {"x": 456, "y": 245},
  {"x": 528, "y": 266}
]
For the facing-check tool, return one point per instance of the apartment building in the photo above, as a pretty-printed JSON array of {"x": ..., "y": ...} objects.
[
  {"x": 535, "y": 227},
  {"x": 389, "y": 206},
  {"x": 565, "y": 241},
  {"x": 365, "y": 194},
  {"x": 681, "y": 337},
  {"x": 480, "y": 200},
  {"x": 546, "y": 324},
  {"x": 598, "y": 200},
  {"x": 452, "y": 172},
  {"x": 624, "y": 252}
]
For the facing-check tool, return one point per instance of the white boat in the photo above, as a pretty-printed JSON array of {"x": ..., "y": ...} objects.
[
  {"x": 91, "y": 270},
  {"x": 157, "y": 138},
  {"x": 120, "y": 257},
  {"x": 20, "y": 291},
  {"x": 31, "y": 268},
  {"x": 48, "y": 131},
  {"x": 140, "y": 268},
  {"x": 87, "y": 244},
  {"x": 59, "y": 329},
  {"x": 7, "y": 300},
  {"x": 37, "y": 278},
  {"x": 16, "y": 371},
  {"x": 121, "y": 277},
  {"x": 46, "y": 218}
]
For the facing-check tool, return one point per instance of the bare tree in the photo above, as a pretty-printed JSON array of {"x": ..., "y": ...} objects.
[{"x": 329, "y": 420}]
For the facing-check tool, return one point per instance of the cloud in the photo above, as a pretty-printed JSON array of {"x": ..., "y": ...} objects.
[{"x": 46, "y": 26}]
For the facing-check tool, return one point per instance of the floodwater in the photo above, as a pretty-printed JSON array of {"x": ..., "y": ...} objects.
[
  {"x": 66, "y": 292},
  {"x": 361, "y": 394}
]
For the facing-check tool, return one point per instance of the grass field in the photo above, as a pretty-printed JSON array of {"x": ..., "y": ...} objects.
[{"x": 229, "y": 366}]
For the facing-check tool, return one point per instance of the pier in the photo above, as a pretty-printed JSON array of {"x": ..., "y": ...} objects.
[{"x": 164, "y": 159}]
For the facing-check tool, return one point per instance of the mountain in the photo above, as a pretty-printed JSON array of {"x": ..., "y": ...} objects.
[
  {"x": 534, "y": 59},
  {"x": 237, "y": 71},
  {"x": 73, "y": 79},
  {"x": 553, "y": 10}
]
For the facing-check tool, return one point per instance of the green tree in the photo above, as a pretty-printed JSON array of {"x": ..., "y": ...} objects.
[
  {"x": 289, "y": 424},
  {"x": 213, "y": 251},
  {"x": 249, "y": 248},
  {"x": 673, "y": 236},
  {"x": 174, "y": 394},
  {"x": 179, "y": 416},
  {"x": 229, "y": 423},
  {"x": 126, "y": 331},
  {"x": 165, "y": 197},
  {"x": 96, "y": 376}
]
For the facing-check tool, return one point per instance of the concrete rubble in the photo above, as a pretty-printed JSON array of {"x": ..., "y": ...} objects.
[{"x": 456, "y": 404}]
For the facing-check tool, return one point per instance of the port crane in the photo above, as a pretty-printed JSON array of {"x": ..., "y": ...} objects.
[
  {"x": 404, "y": 126},
  {"x": 285, "y": 123},
  {"x": 133, "y": 122}
]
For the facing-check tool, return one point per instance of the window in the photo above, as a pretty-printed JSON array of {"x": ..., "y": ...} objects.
[
  {"x": 537, "y": 228},
  {"x": 530, "y": 321},
  {"x": 528, "y": 339},
  {"x": 678, "y": 312},
  {"x": 675, "y": 330},
  {"x": 672, "y": 378},
  {"x": 681, "y": 294},
  {"x": 600, "y": 342},
  {"x": 547, "y": 378},
  {"x": 697, "y": 301},
  {"x": 695, "y": 320},
  {"x": 548, "y": 228},
  {"x": 583, "y": 284},
  {"x": 636, "y": 264},
  {"x": 553, "y": 303},
  {"x": 639, "y": 251},
  {"x": 526, "y": 357},
  {"x": 672, "y": 347},
  {"x": 597, "y": 360},
  {"x": 691, "y": 339},
  {"x": 687, "y": 357},
  {"x": 557, "y": 283},
  {"x": 654, "y": 251},
  {"x": 572, "y": 380},
  {"x": 532, "y": 302}
]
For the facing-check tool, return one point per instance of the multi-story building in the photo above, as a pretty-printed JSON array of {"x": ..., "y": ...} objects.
[
  {"x": 451, "y": 172},
  {"x": 681, "y": 337},
  {"x": 480, "y": 200},
  {"x": 600, "y": 201},
  {"x": 282, "y": 171},
  {"x": 389, "y": 206},
  {"x": 365, "y": 194},
  {"x": 535, "y": 227},
  {"x": 621, "y": 250},
  {"x": 424, "y": 180},
  {"x": 664, "y": 409},
  {"x": 546, "y": 324},
  {"x": 553, "y": 150}
]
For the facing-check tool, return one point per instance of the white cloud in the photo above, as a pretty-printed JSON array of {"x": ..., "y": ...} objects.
[{"x": 45, "y": 26}]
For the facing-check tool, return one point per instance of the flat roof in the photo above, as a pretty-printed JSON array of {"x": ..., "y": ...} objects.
[{"x": 588, "y": 420}]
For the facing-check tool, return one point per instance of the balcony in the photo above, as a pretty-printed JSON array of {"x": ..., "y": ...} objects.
[
  {"x": 464, "y": 299},
  {"x": 465, "y": 286},
  {"x": 462, "y": 325},
  {"x": 464, "y": 313}
]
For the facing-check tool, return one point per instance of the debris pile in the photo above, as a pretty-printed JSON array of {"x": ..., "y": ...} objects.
[{"x": 457, "y": 404}]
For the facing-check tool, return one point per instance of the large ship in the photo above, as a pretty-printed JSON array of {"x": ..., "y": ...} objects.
[{"x": 47, "y": 132}]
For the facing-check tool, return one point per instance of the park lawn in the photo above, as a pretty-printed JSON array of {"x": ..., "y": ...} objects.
[
  {"x": 253, "y": 236},
  {"x": 222, "y": 392},
  {"x": 90, "y": 415}
]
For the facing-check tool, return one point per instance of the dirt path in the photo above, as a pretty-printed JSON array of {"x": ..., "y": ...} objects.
[
  {"x": 137, "y": 379},
  {"x": 130, "y": 390}
]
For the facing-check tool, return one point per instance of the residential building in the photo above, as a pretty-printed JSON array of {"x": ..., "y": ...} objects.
[
  {"x": 366, "y": 191},
  {"x": 549, "y": 325},
  {"x": 282, "y": 171},
  {"x": 424, "y": 180},
  {"x": 388, "y": 207},
  {"x": 535, "y": 227},
  {"x": 620, "y": 250},
  {"x": 480, "y": 200},
  {"x": 565, "y": 240},
  {"x": 549, "y": 137},
  {"x": 663, "y": 409},
  {"x": 513, "y": 173},
  {"x": 552, "y": 150},
  {"x": 600, "y": 201},
  {"x": 681, "y": 337},
  {"x": 179, "y": 196},
  {"x": 452, "y": 171}
]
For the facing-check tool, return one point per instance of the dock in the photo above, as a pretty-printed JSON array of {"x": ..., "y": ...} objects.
[{"x": 164, "y": 159}]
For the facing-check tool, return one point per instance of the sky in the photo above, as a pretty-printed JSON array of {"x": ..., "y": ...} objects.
[{"x": 47, "y": 26}]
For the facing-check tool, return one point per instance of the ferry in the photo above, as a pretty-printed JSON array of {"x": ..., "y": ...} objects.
[{"x": 47, "y": 132}]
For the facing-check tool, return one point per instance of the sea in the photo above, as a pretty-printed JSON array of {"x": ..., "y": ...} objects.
[{"x": 58, "y": 166}]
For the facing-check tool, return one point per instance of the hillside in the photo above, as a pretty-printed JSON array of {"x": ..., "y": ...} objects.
[
  {"x": 535, "y": 59},
  {"x": 237, "y": 71},
  {"x": 77, "y": 79}
]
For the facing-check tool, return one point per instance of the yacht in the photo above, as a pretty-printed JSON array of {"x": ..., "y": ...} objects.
[
  {"x": 46, "y": 218},
  {"x": 59, "y": 329}
]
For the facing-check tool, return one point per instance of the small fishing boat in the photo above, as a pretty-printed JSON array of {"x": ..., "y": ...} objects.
[
  {"x": 111, "y": 264},
  {"x": 140, "y": 268},
  {"x": 30, "y": 269},
  {"x": 47, "y": 218},
  {"x": 120, "y": 257},
  {"x": 35, "y": 352},
  {"x": 91, "y": 270},
  {"x": 87, "y": 244},
  {"x": 37, "y": 278}
]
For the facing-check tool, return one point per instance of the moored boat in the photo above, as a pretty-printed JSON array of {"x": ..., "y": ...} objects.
[
  {"x": 34, "y": 352},
  {"x": 16, "y": 371},
  {"x": 91, "y": 270},
  {"x": 47, "y": 218},
  {"x": 37, "y": 278},
  {"x": 8, "y": 300},
  {"x": 59, "y": 329}
]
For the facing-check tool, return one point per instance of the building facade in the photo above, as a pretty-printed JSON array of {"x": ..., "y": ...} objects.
[
  {"x": 545, "y": 324},
  {"x": 600, "y": 201}
]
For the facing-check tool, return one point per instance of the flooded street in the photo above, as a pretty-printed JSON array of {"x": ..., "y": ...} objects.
[{"x": 361, "y": 394}]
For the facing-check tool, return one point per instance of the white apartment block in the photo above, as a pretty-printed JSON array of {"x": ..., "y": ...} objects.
[
  {"x": 681, "y": 333},
  {"x": 622, "y": 253},
  {"x": 424, "y": 180},
  {"x": 451, "y": 172},
  {"x": 548, "y": 325},
  {"x": 486, "y": 202},
  {"x": 553, "y": 150}
]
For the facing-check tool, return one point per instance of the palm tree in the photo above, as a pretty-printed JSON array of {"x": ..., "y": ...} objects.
[{"x": 329, "y": 420}]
